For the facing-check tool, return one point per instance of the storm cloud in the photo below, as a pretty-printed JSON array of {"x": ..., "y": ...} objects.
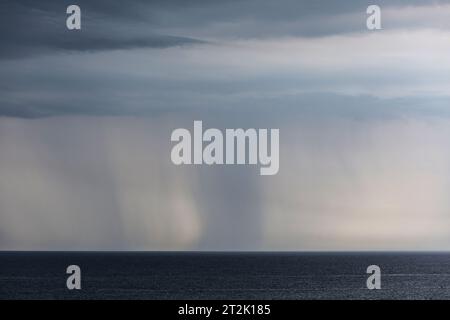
[
  {"x": 153, "y": 57},
  {"x": 86, "y": 118},
  {"x": 30, "y": 28}
]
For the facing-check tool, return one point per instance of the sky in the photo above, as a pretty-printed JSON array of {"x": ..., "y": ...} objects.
[{"x": 86, "y": 118}]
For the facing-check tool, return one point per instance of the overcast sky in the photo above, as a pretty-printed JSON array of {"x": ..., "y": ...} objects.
[{"x": 86, "y": 118}]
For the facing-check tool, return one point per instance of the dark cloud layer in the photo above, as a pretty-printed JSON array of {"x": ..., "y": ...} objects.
[
  {"x": 34, "y": 27},
  {"x": 28, "y": 28},
  {"x": 46, "y": 70}
]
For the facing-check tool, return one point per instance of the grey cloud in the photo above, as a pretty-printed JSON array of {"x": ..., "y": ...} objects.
[
  {"x": 29, "y": 28},
  {"x": 36, "y": 27},
  {"x": 266, "y": 18},
  {"x": 208, "y": 76}
]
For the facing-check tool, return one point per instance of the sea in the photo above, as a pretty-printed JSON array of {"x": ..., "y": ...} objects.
[{"x": 224, "y": 275}]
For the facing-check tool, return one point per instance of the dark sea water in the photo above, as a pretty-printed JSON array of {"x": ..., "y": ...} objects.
[{"x": 133, "y": 275}]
